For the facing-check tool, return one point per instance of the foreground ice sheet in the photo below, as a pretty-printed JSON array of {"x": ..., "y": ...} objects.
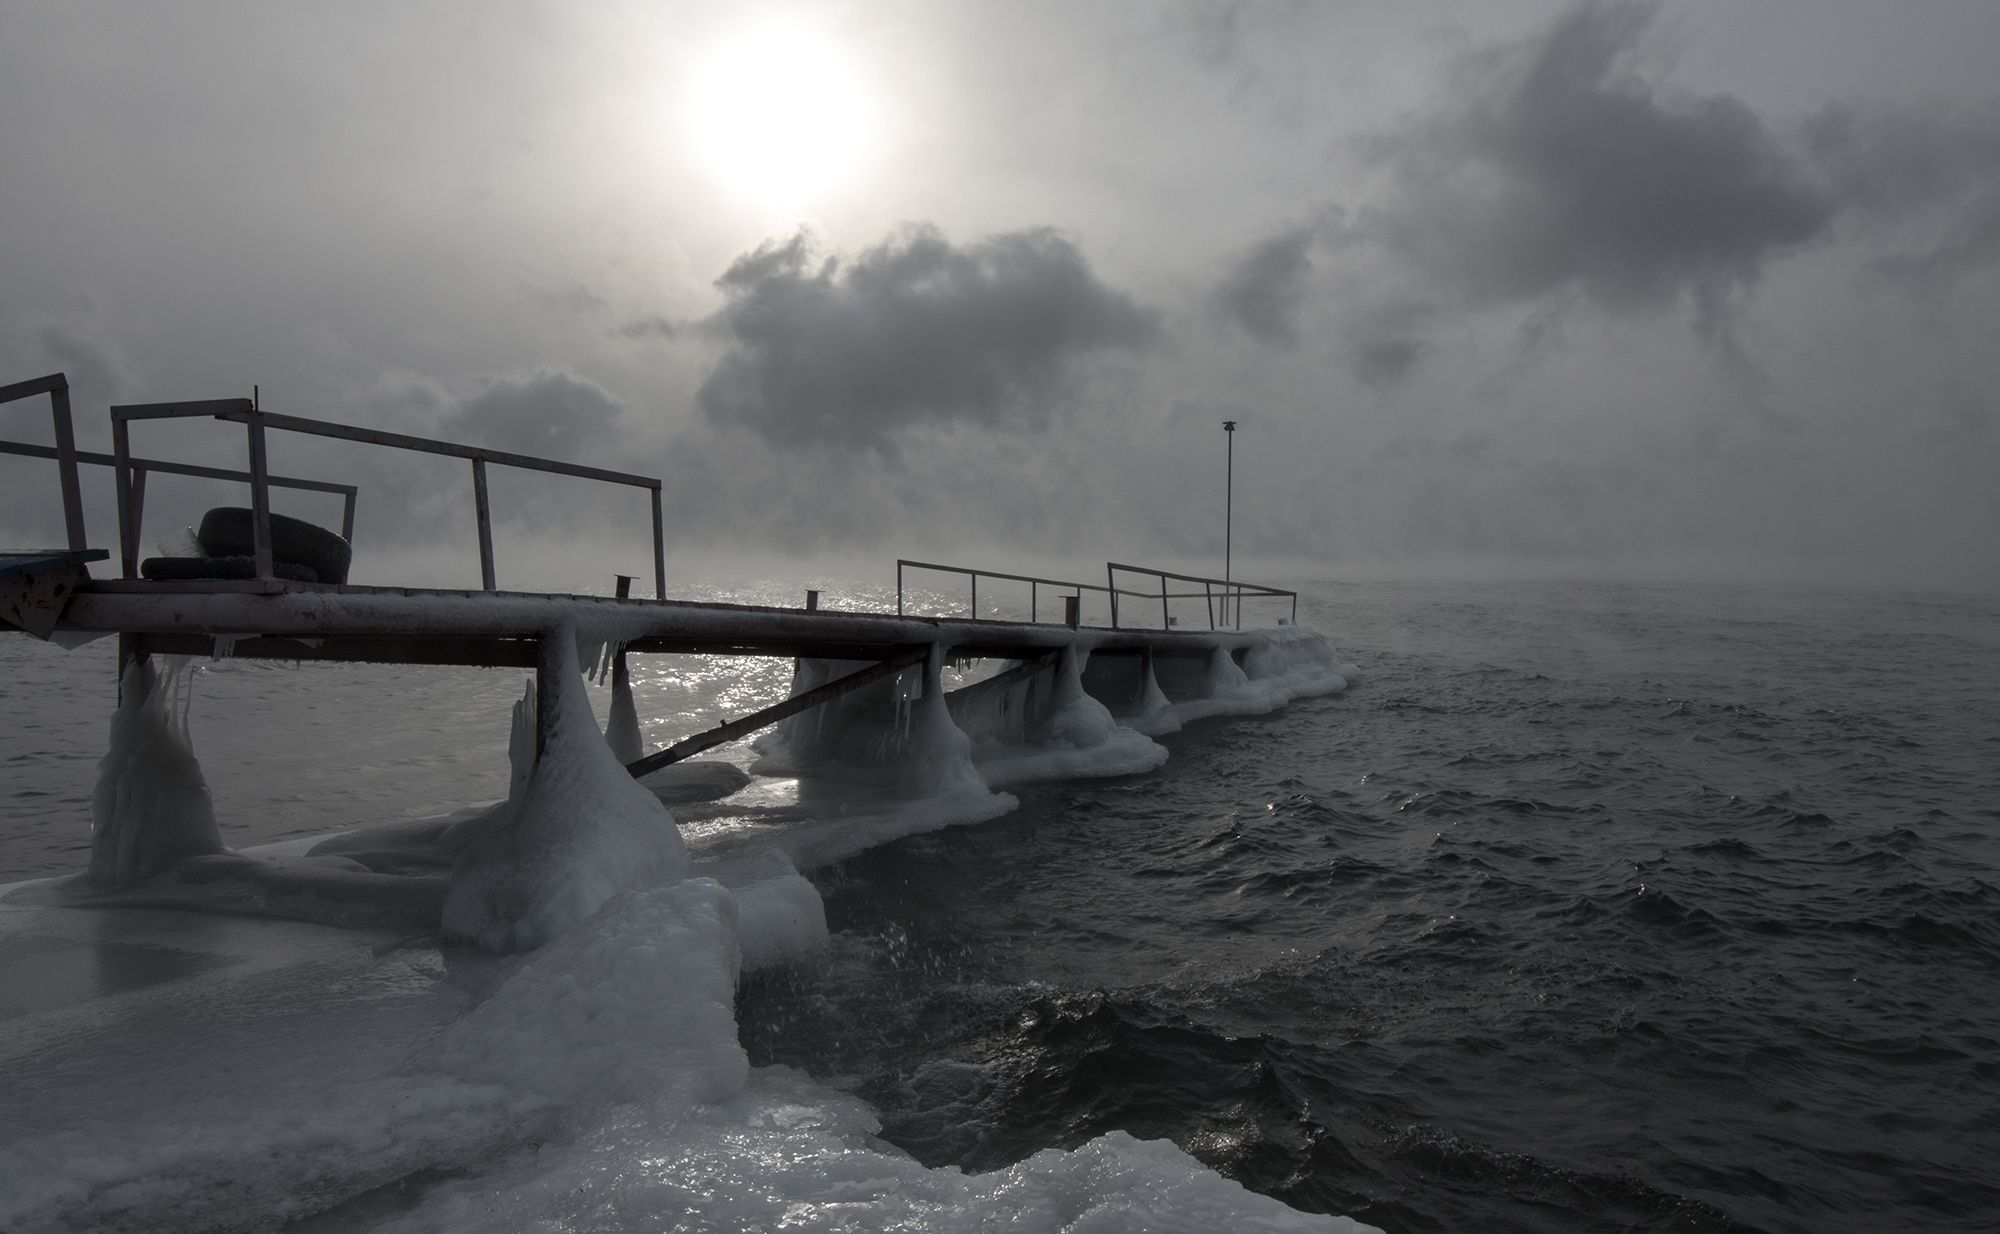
[
  {"x": 215, "y": 1073},
  {"x": 597, "y": 1085}
]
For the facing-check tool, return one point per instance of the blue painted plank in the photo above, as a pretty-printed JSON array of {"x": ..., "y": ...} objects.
[{"x": 28, "y": 561}]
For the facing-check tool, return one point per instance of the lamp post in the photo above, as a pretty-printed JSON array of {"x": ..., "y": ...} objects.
[{"x": 1228, "y": 517}]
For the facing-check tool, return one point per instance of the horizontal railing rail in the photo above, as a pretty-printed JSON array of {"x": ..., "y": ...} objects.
[
  {"x": 1232, "y": 594},
  {"x": 1035, "y": 584},
  {"x": 257, "y": 421},
  {"x": 141, "y": 466}
]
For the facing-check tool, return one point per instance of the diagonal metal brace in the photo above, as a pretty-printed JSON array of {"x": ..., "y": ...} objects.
[{"x": 792, "y": 706}]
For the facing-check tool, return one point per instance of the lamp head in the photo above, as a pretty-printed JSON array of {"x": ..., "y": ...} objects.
[{"x": 1229, "y": 426}]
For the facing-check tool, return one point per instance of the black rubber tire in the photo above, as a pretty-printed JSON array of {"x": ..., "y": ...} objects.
[
  {"x": 225, "y": 532},
  {"x": 162, "y": 568}
]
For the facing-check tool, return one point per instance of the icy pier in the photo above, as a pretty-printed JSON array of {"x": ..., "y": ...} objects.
[{"x": 584, "y": 819}]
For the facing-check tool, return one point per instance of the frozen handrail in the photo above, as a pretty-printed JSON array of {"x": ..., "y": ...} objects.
[
  {"x": 1035, "y": 584},
  {"x": 256, "y": 421},
  {"x": 1232, "y": 589}
]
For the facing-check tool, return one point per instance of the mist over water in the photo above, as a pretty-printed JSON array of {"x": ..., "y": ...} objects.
[{"x": 1590, "y": 907}]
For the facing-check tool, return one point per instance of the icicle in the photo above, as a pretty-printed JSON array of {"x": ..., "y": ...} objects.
[
  {"x": 622, "y": 730},
  {"x": 151, "y": 806}
]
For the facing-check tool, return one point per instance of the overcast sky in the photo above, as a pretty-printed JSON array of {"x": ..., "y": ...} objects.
[{"x": 1613, "y": 288}]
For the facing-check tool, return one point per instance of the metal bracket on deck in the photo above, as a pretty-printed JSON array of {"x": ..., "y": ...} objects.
[{"x": 35, "y": 588}]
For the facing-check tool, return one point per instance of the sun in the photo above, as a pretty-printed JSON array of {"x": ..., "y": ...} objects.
[{"x": 780, "y": 115}]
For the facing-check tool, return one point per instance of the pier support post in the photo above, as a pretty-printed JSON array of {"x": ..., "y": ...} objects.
[
  {"x": 548, "y": 686},
  {"x": 260, "y": 499},
  {"x": 483, "y": 508}
]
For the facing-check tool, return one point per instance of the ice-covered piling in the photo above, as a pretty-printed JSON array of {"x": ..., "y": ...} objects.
[
  {"x": 937, "y": 755},
  {"x": 151, "y": 806},
  {"x": 621, "y": 730},
  {"x": 576, "y": 829}
]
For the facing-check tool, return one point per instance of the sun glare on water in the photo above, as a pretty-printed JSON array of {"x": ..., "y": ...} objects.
[{"x": 780, "y": 115}]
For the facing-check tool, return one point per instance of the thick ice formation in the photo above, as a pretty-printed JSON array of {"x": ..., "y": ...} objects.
[
  {"x": 621, "y": 729},
  {"x": 575, "y": 829},
  {"x": 897, "y": 733},
  {"x": 640, "y": 1005},
  {"x": 151, "y": 806},
  {"x": 1047, "y": 727}
]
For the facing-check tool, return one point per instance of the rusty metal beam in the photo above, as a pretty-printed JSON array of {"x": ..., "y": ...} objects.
[{"x": 689, "y": 746}]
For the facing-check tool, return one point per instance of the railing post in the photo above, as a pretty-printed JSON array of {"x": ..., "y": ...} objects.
[
  {"x": 899, "y": 588},
  {"x": 975, "y": 594},
  {"x": 1073, "y": 610},
  {"x": 72, "y": 489},
  {"x": 260, "y": 497},
  {"x": 1111, "y": 587},
  {"x": 347, "y": 517},
  {"x": 484, "y": 509},
  {"x": 1208, "y": 595},
  {"x": 1032, "y": 585},
  {"x": 659, "y": 550},
  {"x": 1166, "y": 621},
  {"x": 138, "y": 499},
  {"x": 121, "y": 461}
]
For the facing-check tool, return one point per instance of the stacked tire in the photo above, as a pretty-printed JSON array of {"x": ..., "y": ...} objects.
[{"x": 300, "y": 551}]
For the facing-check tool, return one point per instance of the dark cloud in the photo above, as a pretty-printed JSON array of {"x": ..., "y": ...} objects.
[
  {"x": 1386, "y": 361},
  {"x": 550, "y": 413},
  {"x": 570, "y": 301},
  {"x": 1386, "y": 344},
  {"x": 1554, "y": 164},
  {"x": 914, "y": 331},
  {"x": 1937, "y": 171},
  {"x": 1263, "y": 291},
  {"x": 650, "y": 328}
]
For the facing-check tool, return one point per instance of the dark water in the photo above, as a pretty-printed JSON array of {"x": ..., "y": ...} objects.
[{"x": 1591, "y": 908}]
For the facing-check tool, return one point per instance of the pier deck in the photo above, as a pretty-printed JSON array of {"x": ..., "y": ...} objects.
[{"x": 268, "y": 618}]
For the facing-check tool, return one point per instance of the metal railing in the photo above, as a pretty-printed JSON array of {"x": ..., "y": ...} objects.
[
  {"x": 67, "y": 456},
  {"x": 256, "y": 421},
  {"x": 56, "y": 386},
  {"x": 1035, "y": 584},
  {"x": 1231, "y": 594}
]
